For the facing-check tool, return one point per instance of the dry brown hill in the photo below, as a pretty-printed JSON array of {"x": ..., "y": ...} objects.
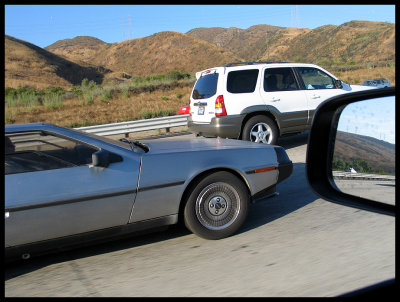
[
  {"x": 250, "y": 44},
  {"x": 82, "y": 41},
  {"x": 80, "y": 49},
  {"x": 29, "y": 65},
  {"x": 67, "y": 62},
  {"x": 156, "y": 54},
  {"x": 379, "y": 154},
  {"x": 355, "y": 42}
]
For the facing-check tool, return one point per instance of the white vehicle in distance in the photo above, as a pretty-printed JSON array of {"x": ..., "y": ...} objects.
[{"x": 260, "y": 101}]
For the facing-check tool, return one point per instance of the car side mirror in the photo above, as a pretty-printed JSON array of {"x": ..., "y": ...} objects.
[
  {"x": 100, "y": 159},
  {"x": 103, "y": 158},
  {"x": 351, "y": 150},
  {"x": 338, "y": 84}
]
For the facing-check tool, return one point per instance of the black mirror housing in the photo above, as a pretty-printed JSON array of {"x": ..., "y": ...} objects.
[
  {"x": 338, "y": 84},
  {"x": 101, "y": 158},
  {"x": 320, "y": 151}
]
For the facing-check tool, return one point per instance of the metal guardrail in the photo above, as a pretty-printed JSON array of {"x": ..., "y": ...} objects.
[
  {"x": 349, "y": 175},
  {"x": 137, "y": 126}
]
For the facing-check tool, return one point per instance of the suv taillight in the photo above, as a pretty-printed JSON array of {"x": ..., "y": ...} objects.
[{"x": 220, "y": 106}]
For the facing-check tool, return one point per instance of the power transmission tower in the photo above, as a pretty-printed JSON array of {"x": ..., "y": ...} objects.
[
  {"x": 123, "y": 29},
  {"x": 130, "y": 27}
]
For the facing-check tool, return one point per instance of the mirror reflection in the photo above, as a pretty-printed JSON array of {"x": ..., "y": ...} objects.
[{"x": 364, "y": 155}]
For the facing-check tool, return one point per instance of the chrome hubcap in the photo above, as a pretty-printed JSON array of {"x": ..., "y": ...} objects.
[
  {"x": 217, "y": 206},
  {"x": 261, "y": 133}
]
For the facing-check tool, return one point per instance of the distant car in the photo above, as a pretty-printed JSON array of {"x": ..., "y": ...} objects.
[
  {"x": 379, "y": 83},
  {"x": 351, "y": 170},
  {"x": 184, "y": 110},
  {"x": 64, "y": 186}
]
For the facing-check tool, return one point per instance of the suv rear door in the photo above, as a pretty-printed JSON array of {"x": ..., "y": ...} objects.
[{"x": 241, "y": 89}]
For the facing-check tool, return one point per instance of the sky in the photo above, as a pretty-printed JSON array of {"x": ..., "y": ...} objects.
[
  {"x": 44, "y": 25},
  {"x": 374, "y": 118}
]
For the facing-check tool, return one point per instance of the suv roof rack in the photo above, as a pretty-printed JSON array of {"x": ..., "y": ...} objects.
[{"x": 252, "y": 63}]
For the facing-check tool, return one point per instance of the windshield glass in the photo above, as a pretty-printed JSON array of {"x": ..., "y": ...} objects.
[{"x": 105, "y": 139}]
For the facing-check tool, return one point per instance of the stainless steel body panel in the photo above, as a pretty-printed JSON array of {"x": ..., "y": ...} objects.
[
  {"x": 74, "y": 202},
  {"x": 166, "y": 174}
]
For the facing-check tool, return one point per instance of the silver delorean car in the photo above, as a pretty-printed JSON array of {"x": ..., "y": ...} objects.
[{"x": 64, "y": 187}]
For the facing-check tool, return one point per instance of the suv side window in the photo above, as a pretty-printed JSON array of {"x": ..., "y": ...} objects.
[
  {"x": 38, "y": 151},
  {"x": 279, "y": 79},
  {"x": 205, "y": 87},
  {"x": 315, "y": 79},
  {"x": 242, "y": 81}
]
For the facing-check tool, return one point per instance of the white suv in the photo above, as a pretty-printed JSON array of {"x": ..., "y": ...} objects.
[{"x": 260, "y": 101}]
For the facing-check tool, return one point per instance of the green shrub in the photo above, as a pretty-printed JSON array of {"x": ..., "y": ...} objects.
[
  {"x": 106, "y": 95},
  {"x": 88, "y": 98},
  {"x": 22, "y": 98},
  {"x": 76, "y": 90},
  {"x": 52, "y": 101},
  {"x": 52, "y": 91},
  {"x": 125, "y": 92}
]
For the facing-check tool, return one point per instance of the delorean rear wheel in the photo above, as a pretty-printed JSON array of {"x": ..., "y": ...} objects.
[{"x": 217, "y": 206}]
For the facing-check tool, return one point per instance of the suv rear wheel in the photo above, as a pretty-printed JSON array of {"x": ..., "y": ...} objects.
[{"x": 260, "y": 129}]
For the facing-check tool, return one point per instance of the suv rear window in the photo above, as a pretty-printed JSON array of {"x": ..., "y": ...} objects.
[
  {"x": 279, "y": 79},
  {"x": 205, "y": 87},
  {"x": 242, "y": 81}
]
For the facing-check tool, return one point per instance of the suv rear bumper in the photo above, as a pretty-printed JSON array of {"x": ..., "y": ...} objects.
[{"x": 224, "y": 126}]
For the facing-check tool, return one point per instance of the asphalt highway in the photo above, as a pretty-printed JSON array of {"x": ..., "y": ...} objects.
[{"x": 292, "y": 245}]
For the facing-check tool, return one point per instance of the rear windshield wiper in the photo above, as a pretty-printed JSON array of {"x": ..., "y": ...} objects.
[{"x": 136, "y": 144}]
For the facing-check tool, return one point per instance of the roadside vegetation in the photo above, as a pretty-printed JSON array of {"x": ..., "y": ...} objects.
[
  {"x": 91, "y": 104},
  {"x": 360, "y": 165},
  {"x": 137, "y": 98}
]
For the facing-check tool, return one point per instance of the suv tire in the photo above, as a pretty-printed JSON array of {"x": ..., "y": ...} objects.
[{"x": 260, "y": 129}]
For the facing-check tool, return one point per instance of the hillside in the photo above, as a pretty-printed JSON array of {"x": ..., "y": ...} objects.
[
  {"x": 79, "y": 41},
  {"x": 379, "y": 154},
  {"x": 253, "y": 43},
  {"x": 352, "y": 42},
  {"x": 356, "y": 44},
  {"x": 27, "y": 64},
  {"x": 82, "y": 48},
  {"x": 159, "y": 53}
]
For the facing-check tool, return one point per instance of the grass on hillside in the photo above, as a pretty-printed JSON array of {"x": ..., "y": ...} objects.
[
  {"x": 91, "y": 104},
  {"x": 139, "y": 98}
]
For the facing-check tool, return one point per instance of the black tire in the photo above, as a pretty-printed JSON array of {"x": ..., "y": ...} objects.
[
  {"x": 260, "y": 129},
  {"x": 217, "y": 206}
]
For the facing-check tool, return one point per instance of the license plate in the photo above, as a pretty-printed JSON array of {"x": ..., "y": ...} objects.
[{"x": 201, "y": 110}]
